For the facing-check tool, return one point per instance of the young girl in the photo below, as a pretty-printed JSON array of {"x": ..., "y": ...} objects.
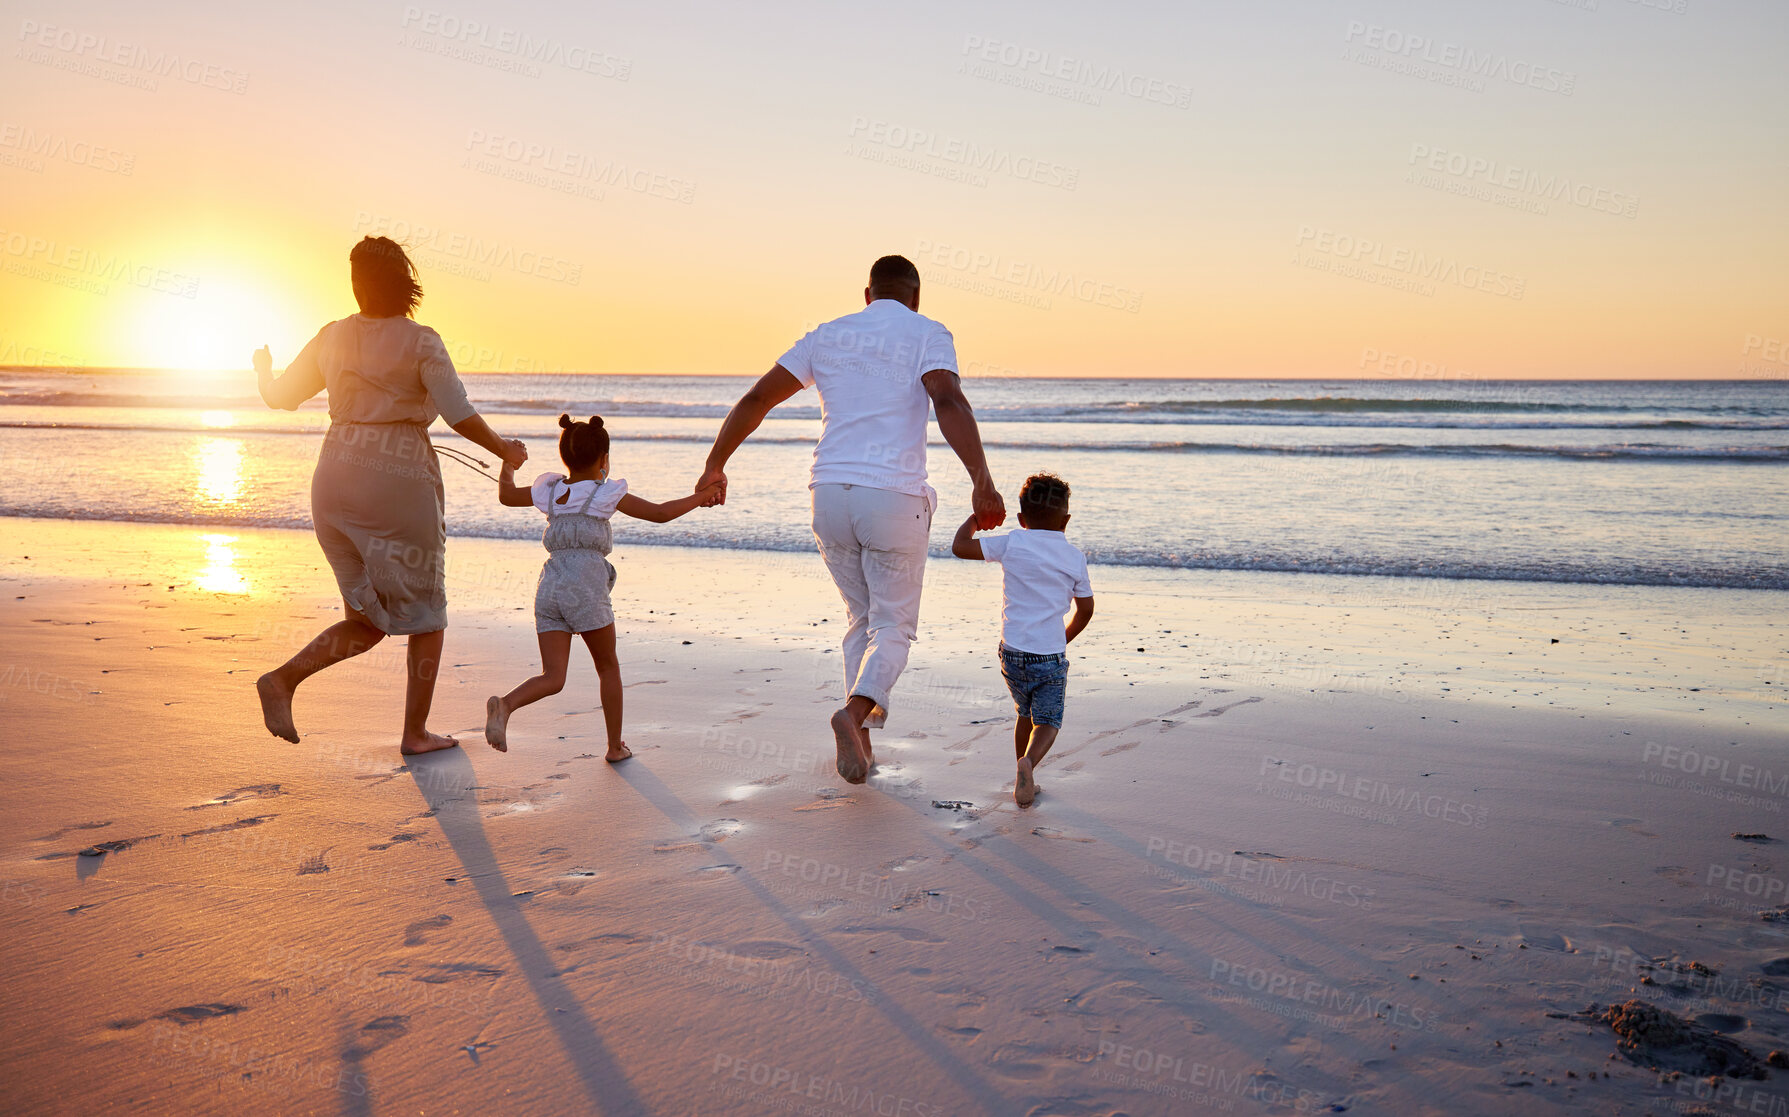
[{"x": 574, "y": 585}]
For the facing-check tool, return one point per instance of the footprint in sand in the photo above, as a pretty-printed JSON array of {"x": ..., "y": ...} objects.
[
  {"x": 418, "y": 933},
  {"x": 1219, "y": 711},
  {"x": 375, "y": 1034},
  {"x": 1023, "y": 1061},
  {"x": 1116, "y": 749},
  {"x": 396, "y": 839},
  {"x": 1057, "y": 835},
  {"x": 720, "y": 829},
  {"x": 193, "y": 1014},
  {"x": 72, "y": 829},
  {"x": 100, "y": 849},
  {"x": 1723, "y": 1022},
  {"x": 768, "y": 781},
  {"x": 905, "y": 934},
  {"x": 253, "y": 791},
  {"x": 765, "y": 949},
  {"x": 966, "y": 743},
  {"x": 827, "y": 799},
  {"x": 239, "y": 824},
  {"x": 447, "y": 972},
  {"x": 1679, "y": 875},
  {"x": 316, "y": 864}
]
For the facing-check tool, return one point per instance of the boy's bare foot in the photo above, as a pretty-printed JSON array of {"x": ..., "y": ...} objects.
[
  {"x": 1025, "y": 787},
  {"x": 428, "y": 742},
  {"x": 276, "y": 707},
  {"x": 496, "y": 724},
  {"x": 618, "y": 752},
  {"x": 851, "y": 764}
]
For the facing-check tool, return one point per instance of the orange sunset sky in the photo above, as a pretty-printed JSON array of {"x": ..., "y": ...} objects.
[{"x": 1552, "y": 188}]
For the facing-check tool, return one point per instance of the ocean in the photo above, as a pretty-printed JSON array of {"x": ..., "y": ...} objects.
[{"x": 1635, "y": 483}]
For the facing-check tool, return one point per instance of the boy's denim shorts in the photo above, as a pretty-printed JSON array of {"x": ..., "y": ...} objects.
[{"x": 1039, "y": 684}]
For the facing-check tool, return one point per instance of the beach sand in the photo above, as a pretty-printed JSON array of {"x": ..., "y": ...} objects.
[{"x": 1305, "y": 842}]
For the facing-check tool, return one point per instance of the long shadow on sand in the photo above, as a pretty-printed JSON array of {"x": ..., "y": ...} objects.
[
  {"x": 985, "y": 1095},
  {"x": 443, "y": 779}
]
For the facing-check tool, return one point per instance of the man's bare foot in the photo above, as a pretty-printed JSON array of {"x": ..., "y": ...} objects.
[
  {"x": 496, "y": 724},
  {"x": 851, "y": 764},
  {"x": 618, "y": 752},
  {"x": 1025, "y": 787},
  {"x": 276, "y": 707},
  {"x": 428, "y": 742}
]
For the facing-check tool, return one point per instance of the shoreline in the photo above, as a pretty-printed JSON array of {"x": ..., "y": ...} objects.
[
  {"x": 941, "y": 552},
  {"x": 1339, "y": 848}
]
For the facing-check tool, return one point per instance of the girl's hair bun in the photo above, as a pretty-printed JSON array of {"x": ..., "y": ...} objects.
[
  {"x": 596, "y": 421},
  {"x": 565, "y": 420}
]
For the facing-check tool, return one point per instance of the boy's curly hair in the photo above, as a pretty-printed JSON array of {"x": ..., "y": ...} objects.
[{"x": 1044, "y": 494}]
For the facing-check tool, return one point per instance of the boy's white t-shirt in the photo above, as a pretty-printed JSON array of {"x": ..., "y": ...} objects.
[{"x": 1042, "y": 572}]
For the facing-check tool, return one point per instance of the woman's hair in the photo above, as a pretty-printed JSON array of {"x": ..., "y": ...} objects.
[
  {"x": 582, "y": 445},
  {"x": 384, "y": 278}
]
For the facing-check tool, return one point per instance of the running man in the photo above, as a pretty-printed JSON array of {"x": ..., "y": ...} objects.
[{"x": 878, "y": 371}]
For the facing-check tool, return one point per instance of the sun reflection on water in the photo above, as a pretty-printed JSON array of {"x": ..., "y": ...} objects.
[
  {"x": 219, "y": 465},
  {"x": 219, "y": 574}
]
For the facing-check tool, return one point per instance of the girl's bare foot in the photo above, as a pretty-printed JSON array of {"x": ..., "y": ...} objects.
[
  {"x": 276, "y": 707},
  {"x": 428, "y": 742},
  {"x": 851, "y": 763},
  {"x": 618, "y": 752},
  {"x": 1025, "y": 787},
  {"x": 496, "y": 724}
]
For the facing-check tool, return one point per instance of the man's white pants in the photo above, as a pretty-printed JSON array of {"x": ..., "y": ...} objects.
[{"x": 874, "y": 544}]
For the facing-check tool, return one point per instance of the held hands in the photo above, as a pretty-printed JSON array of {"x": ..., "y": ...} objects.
[
  {"x": 716, "y": 479},
  {"x": 263, "y": 362},
  {"x": 513, "y": 454},
  {"x": 990, "y": 509}
]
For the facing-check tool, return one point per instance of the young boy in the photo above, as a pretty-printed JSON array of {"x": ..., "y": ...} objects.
[{"x": 1043, "y": 571}]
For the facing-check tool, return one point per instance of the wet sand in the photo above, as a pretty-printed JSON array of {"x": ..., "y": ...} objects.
[{"x": 1305, "y": 842}]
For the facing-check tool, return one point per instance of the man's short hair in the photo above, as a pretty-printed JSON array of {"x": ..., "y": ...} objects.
[
  {"x": 894, "y": 273},
  {"x": 1045, "y": 495}
]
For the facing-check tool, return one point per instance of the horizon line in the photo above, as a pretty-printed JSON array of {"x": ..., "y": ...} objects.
[{"x": 1710, "y": 379}]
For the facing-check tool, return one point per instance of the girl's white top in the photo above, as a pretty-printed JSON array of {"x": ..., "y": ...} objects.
[{"x": 589, "y": 498}]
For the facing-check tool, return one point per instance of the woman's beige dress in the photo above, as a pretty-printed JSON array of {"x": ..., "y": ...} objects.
[{"x": 376, "y": 494}]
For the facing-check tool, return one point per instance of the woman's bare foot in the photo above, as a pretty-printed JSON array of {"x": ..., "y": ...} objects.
[
  {"x": 276, "y": 707},
  {"x": 428, "y": 742},
  {"x": 496, "y": 724},
  {"x": 851, "y": 763},
  {"x": 1025, "y": 787},
  {"x": 618, "y": 752}
]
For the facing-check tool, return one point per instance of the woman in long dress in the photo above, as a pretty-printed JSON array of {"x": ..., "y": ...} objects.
[{"x": 376, "y": 494}]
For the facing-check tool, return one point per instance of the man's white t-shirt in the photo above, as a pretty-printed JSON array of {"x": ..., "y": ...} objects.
[
  {"x": 873, "y": 407},
  {"x": 1042, "y": 572}
]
